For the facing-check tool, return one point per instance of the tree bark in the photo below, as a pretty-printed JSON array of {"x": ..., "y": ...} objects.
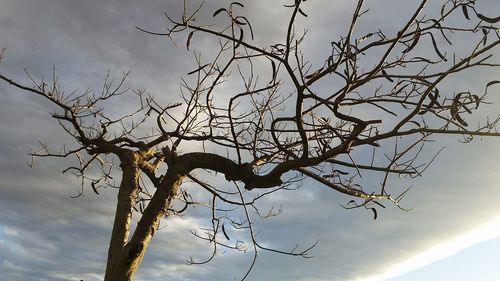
[
  {"x": 126, "y": 264},
  {"x": 127, "y": 198}
]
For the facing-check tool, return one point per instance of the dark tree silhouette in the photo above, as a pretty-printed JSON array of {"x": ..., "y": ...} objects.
[{"x": 282, "y": 124}]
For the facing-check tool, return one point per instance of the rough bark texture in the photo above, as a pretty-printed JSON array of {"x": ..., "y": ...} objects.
[
  {"x": 127, "y": 198},
  {"x": 123, "y": 266}
]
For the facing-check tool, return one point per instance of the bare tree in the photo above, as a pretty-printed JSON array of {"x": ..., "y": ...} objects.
[{"x": 383, "y": 98}]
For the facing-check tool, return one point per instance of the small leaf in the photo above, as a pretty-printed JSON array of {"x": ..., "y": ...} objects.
[
  {"x": 251, "y": 30},
  {"x": 492, "y": 83},
  {"x": 477, "y": 100},
  {"x": 433, "y": 98},
  {"x": 466, "y": 13},
  {"x": 225, "y": 233},
  {"x": 488, "y": 19},
  {"x": 485, "y": 37},
  {"x": 183, "y": 209},
  {"x": 340, "y": 172},
  {"x": 94, "y": 187},
  {"x": 240, "y": 39},
  {"x": 416, "y": 123},
  {"x": 467, "y": 109},
  {"x": 198, "y": 69},
  {"x": 386, "y": 76},
  {"x": 454, "y": 110},
  {"x": 436, "y": 48},
  {"x": 218, "y": 12},
  {"x": 238, "y": 4},
  {"x": 238, "y": 22},
  {"x": 273, "y": 65},
  {"x": 366, "y": 37},
  {"x": 352, "y": 202},
  {"x": 414, "y": 43},
  {"x": 423, "y": 59},
  {"x": 188, "y": 41},
  {"x": 374, "y": 213},
  {"x": 302, "y": 12},
  {"x": 461, "y": 121},
  {"x": 246, "y": 23},
  {"x": 454, "y": 107}
]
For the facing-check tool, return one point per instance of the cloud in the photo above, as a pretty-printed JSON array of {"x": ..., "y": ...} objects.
[
  {"x": 482, "y": 233},
  {"x": 46, "y": 235}
]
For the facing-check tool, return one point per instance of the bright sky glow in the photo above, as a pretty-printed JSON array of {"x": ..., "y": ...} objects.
[{"x": 483, "y": 233}]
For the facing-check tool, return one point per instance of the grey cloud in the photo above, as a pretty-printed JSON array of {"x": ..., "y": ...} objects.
[{"x": 45, "y": 235}]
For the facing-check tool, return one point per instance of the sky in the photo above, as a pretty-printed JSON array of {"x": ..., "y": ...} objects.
[{"x": 452, "y": 232}]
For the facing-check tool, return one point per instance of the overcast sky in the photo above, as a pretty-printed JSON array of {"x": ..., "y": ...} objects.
[{"x": 46, "y": 235}]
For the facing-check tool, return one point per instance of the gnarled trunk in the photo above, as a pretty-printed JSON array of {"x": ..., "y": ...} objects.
[
  {"x": 125, "y": 257},
  {"x": 127, "y": 198}
]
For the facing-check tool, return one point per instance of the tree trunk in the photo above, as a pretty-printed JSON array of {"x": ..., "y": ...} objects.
[
  {"x": 127, "y": 198},
  {"x": 124, "y": 266}
]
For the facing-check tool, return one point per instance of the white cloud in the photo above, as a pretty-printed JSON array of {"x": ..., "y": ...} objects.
[{"x": 443, "y": 250}]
